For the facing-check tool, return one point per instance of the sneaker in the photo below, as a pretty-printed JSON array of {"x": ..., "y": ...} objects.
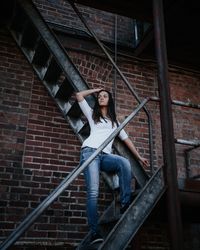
[
  {"x": 123, "y": 208},
  {"x": 96, "y": 238}
]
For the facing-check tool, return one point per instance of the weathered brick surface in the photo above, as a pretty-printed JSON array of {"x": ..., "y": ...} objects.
[
  {"x": 101, "y": 22},
  {"x": 16, "y": 85},
  {"x": 39, "y": 149}
]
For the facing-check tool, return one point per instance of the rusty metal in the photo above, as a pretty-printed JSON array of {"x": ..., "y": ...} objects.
[
  {"x": 169, "y": 155},
  {"x": 194, "y": 144},
  {"x": 179, "y": 103},
  {"x": 131, "y": 221}
]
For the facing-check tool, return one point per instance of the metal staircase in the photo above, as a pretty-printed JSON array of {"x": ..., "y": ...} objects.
[
  {"x": 128, "y": 225},
  {"x": 118, "y": 230},
  {"x": 61, "y": 78},
  {"x": 57, "y": 72}
]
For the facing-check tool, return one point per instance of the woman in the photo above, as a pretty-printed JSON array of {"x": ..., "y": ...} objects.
[{"x": 102, "y": 121}]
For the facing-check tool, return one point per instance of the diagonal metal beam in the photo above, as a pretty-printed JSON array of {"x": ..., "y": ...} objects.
[{"x": 134, "y": 217}]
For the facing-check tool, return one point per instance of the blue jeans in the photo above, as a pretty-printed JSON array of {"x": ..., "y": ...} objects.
[{"x": 109, "y": 163}]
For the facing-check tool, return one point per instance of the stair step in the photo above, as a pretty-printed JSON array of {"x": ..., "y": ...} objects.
[
  {"x": 65, "y": 91},
  {"x": 30, "y": 37},
  {"x": 41, "y": 56},
  {"x": 84, "y": 131},
  {"x": 74, "y": 112},
  {"x": 53, "y": 72}
]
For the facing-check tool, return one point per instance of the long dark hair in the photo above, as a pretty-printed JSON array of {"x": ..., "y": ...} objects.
[{"x": 111, "y": 109}]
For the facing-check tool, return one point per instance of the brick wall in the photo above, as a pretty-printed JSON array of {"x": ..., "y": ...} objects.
[
  {"x": 102, "y": 22},
  {"x": 38, "y": 148},
  {"x": 185, "y": 87},
  {"x": 16, "y": 86}
]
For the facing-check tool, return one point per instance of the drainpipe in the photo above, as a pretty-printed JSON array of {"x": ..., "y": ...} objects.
[
  {"x": 169, "y": 154},
  {"x": 115, "y": 71}
]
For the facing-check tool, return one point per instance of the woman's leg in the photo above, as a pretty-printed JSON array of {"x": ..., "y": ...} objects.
[
  {"x": 120, "y": 165},
  {"x": 91, "y": 174}
]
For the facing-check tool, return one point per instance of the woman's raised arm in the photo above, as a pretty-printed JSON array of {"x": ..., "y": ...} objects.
[{"x": 80, "y": 95}]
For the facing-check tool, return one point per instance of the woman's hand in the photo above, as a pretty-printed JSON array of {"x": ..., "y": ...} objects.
[
  {"x": 144, "y": 162},
  {"x": 80, "y": 95}
]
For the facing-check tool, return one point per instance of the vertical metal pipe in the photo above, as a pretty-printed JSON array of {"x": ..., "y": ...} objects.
[
  {"x": 187, "y": 160},
  {"x": 115, "y": 72},
  {"x": 169, "y": 155}
]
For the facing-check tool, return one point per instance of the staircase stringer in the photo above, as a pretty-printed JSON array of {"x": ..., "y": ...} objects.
[{"x": 134, "y": 217}]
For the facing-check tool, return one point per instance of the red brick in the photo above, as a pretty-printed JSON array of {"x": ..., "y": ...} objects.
[{"x": 38, "y": 139}]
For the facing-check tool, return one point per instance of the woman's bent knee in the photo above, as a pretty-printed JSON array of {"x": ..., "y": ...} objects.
[{"x": 124, "y": 163}]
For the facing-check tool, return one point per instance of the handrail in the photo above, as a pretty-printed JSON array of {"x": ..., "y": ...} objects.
[
  {"x": 179, "y": 103},
  {"x": 194, "y": 144},
  {"x": 123, "y": 78},
  {"x": 31, "y": 218}
]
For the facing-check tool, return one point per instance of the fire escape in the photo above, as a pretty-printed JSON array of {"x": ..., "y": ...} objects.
[{"x": 61, "y": 79}]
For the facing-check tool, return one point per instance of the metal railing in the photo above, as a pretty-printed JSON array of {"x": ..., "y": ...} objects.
[
  {"x": 194, "y": 145},
  {"x": 179, "y": 103},
  {"x": 32, "y": 217}
]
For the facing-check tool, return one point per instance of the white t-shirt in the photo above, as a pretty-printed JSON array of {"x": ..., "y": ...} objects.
[{"x": 100, "y": 131}]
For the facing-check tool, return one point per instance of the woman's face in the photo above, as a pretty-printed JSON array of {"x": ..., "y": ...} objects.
[{"x": 103, "y": 98}]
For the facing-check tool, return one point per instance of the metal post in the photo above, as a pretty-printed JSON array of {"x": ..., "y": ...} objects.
[{"x": 169, "y": 155}]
